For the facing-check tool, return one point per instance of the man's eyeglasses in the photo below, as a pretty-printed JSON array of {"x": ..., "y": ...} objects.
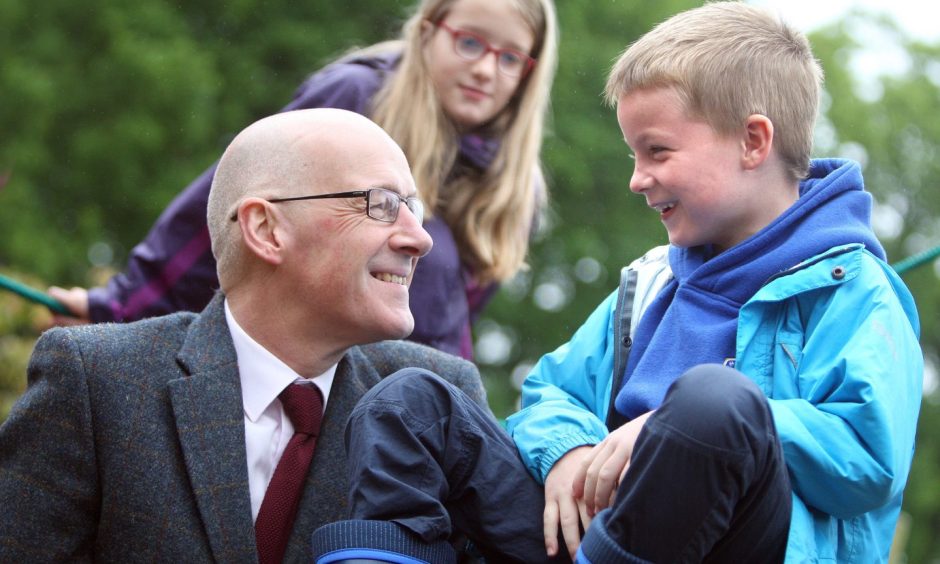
[
  {"x": 381, "y": 204},
  {"x": 472, "y": 47}
]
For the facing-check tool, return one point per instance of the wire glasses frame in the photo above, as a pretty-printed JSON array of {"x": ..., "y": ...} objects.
[
  {"x": 473, "y": 47},
  {"x": 381, "y": 204}
]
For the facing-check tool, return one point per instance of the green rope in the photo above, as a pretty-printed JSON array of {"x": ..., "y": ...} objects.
[
  {"x": 916, "y": 260},
  {"x": 34, "y": 295},
  {"x": 55, "y": 305}
]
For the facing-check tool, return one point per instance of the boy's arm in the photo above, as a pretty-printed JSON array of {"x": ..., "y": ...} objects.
[
  {"x": 564, "y": 398},
  {"x": 48, "y": 480},
  {"x": 848, "y": 439}
]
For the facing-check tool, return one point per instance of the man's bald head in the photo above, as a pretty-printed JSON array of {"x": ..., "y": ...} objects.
[{"x": 287, "y": 154}]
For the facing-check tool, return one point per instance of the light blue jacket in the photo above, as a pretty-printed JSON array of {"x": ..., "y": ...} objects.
[{"x": 832, "y": 342}]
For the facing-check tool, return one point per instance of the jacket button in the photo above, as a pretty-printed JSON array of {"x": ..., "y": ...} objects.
[
  {"x": 627, "y": 341},
  {"x": 838, "y": 272}
]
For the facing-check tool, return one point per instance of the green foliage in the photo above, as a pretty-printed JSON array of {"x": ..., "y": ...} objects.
[
  {"x": 20, "y": 322},
  {"x": 110, "y": 107}
]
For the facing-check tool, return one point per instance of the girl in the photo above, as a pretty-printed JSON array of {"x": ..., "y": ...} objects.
[{"x": 465, "y": 92}]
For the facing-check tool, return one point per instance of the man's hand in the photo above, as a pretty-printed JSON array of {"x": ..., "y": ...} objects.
[
  {"x": 601, "y": 471},
  {"x": 75, "y": 300},
  {"x": 560, "y": 504}
]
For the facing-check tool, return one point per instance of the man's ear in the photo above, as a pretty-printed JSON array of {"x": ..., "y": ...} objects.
[
  {"x": 261, "y": 230},
  {"x": 758, "y": 140}
]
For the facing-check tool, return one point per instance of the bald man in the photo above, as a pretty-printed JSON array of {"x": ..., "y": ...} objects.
[{"x": 157, "y": 440}]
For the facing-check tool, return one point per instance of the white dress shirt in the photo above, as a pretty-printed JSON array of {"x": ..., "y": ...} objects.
[{"x": 267, "y": 428}]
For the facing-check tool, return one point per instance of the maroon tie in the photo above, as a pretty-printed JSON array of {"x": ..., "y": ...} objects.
[{"x": 304, "y": 405}]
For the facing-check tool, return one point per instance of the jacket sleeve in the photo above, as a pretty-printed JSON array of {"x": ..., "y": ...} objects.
[
  {"x": 173, "y": 269},
  {"x": 48, "y": 480},
  {"x": 565, "y": 397},
  {"x": 848, "y": 438}
]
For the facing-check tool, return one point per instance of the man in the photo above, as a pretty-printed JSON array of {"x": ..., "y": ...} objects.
[{"x": 157, "y": 440}]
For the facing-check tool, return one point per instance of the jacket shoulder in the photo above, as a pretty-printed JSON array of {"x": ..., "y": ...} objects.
[
  {"x": 347, "y": 84},
  {"x": 162, "y": 325},
  {"x": 388, "y": 357},
  {"x": 391, "y": 356},
  {"x": 112, "y": 346}
]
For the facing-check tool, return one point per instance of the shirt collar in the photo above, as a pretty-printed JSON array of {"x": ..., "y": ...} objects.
[{"x": 264, "y": 376}]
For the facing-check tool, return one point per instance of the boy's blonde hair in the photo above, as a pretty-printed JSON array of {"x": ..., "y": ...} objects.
[
  {"x": 491, "y": 212},
  {"x": 727, "y": 61}
]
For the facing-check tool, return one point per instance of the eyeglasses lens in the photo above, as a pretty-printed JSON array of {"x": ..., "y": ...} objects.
[
  {"x": 472, "y": 48},
  {"x": 384, "y": 205}
]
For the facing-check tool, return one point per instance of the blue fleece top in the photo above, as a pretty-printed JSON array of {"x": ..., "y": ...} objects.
[{"x": 694, "y": 318}]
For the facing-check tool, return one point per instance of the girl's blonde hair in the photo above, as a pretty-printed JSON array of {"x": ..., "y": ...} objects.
[{"x": 490, "y": 212}]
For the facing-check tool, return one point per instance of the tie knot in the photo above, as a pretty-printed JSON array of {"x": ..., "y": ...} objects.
[{"x": 304, "y": 405}]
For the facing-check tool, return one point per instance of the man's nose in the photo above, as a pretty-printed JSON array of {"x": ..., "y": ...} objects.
[{"x": 412, "y": 237}]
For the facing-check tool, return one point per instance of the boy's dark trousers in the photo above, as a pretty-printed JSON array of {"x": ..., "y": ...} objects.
[
  {"x": 422, "y": 454},
  {"x": 707, "y": 482}
]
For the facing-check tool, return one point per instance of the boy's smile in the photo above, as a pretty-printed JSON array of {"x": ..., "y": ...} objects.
[{"x": 696, "y": 179}]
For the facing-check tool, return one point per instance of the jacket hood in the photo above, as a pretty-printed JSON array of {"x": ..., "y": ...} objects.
[
  {"x": 833, "y": 209},
  {"x": 702, "y": 302}
]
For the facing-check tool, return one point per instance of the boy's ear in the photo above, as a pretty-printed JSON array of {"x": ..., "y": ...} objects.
[
  {"x": 758, "y": 140},
  {"x": 261, "y": 231}
]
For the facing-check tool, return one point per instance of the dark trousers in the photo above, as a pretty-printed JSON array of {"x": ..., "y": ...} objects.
[
  {"x": 707, "y": 481},
  {"x": 423, "y": 455}
]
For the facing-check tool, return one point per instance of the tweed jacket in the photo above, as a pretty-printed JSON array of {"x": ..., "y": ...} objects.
[{"x": 129, "y": 444}]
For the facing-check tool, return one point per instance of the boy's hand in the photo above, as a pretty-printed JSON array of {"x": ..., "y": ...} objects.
[
  {"x": 561, "y": 506},
  {"x": 604, "y": 466}
]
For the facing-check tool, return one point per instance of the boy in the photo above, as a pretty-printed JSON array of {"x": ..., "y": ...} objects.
[
  {"x": 750, "y": 394},
  {"x": 773, "y": 272}
]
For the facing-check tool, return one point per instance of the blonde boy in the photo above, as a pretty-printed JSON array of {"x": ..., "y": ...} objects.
[{"x": 767, "y": 357}]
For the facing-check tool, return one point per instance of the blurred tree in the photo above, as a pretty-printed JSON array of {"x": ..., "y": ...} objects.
[{"x": 112, "y": 107}]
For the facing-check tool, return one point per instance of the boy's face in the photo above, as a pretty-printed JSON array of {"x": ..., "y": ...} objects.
[{"x": 694, "y": 178}]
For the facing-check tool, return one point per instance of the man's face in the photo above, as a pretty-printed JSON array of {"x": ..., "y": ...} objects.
[
  {"x": 351, "y": 272},
  {"x": 689, "y": 174}
]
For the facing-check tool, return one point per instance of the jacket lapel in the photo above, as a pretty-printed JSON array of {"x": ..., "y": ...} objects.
[{"x": 208, "y": 409}]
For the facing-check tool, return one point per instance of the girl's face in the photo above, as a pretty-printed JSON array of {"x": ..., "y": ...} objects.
[{"x": 472, "y": 92}]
